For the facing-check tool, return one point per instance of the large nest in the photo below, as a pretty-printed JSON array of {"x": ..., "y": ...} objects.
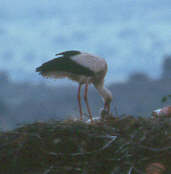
[{"x": 125, "y": 145}]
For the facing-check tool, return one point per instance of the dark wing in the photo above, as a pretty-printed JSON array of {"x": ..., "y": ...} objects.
[
  {"x": 64, "y": 64},
  {"x": 69, "y": 53}
]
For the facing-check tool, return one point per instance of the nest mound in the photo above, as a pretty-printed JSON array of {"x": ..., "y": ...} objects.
[{"x": 115, "y": 145}]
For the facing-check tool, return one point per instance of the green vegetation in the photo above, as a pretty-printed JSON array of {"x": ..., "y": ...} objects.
[
  {"x": 166, "y": 98},
  {"x": 119, "y": 145}
]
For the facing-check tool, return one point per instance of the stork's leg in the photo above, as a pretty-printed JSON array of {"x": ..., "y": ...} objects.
[
  {"x": 86, "y": 101},
  {"x": 79, "y": 102}
]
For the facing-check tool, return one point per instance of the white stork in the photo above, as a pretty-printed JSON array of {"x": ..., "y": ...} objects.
[{"x": 83, "y": 68}]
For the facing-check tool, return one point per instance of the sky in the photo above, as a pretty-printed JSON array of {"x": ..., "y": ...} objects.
[{"x": 132, "y": 35}]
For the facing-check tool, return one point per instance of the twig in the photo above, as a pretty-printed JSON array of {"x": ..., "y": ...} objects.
[
  {"x": 122, "y": 146},
  {"x": 130, "y": 170},
  {"x": 48, "y": 170},
  {"x": 109, "y": 143}
]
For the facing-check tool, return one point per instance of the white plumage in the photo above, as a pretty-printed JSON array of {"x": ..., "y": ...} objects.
[
  {"x": 83, "y": 68},
  {"x": 94, "y": 63}
]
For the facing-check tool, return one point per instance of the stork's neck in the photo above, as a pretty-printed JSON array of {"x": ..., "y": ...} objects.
[{"x": 104, "y": 92}]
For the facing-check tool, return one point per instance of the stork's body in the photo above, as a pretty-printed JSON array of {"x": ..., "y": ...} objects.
[{"x": 83, "y": 68}]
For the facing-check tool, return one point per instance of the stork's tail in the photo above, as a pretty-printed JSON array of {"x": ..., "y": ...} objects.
[{"x": 39, "y": 69}]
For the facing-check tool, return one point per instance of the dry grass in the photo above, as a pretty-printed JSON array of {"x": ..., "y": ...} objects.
[{"x": 125, "y": 145}]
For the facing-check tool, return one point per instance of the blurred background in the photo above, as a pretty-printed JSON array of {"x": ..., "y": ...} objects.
[{"x": 133, "y": 36}]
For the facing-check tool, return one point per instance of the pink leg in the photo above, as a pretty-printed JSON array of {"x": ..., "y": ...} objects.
[
  {"x": 86, "y": 101},
  {"x": 79, "y": 102}
]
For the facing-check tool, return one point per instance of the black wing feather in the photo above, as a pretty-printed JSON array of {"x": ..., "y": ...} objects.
[
  {"x": 69, "y": 53},
  {"x": 64, "y": 64}
]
